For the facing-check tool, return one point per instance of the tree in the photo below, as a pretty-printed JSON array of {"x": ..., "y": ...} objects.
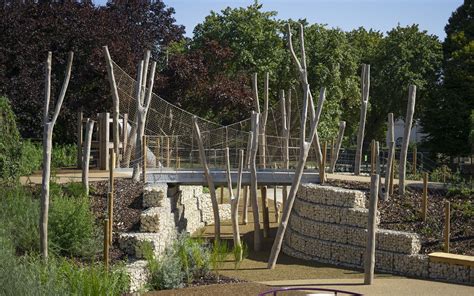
[
  {"x": 446, "y": 116},
  {"x": 404, "y": 56},
  {"x": 253, "y": 36},
  {"x": 30, "y": 30}
]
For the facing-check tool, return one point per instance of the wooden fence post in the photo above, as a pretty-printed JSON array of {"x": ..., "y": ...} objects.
[
  {"x": 144, "y": 155},
  {"x": 111, "y": 169},
  {"x": 110, "y": 214},
  {"x": 414, "y": 160},
  {"x": 124, "y": 136},
  {"x": 424, "y": 208},
  {"x": 323, "y": 164},
  {"x": 369, "y": 264},
  {"x": 106, "y": 244},
  {"x": 392, "y": 175},
  {"x": 168, "y": 152},
  {"x": 103, "y": 140},
  {"x": 372, "y": 157},
  {"x": 79, "y": 139},
  {"x": 447, "y": 225},
  {"x": 86, "y": 155}
]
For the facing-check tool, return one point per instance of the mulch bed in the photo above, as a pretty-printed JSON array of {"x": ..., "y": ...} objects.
[
  {"x": 127, "y": 208},
  {"x": 404, "y": 213}
]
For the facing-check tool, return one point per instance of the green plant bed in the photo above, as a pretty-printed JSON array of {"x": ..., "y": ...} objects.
[{"x": 72, "y": 229}]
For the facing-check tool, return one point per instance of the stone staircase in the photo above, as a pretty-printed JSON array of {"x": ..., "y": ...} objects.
[{"x": 167, "y": 211}]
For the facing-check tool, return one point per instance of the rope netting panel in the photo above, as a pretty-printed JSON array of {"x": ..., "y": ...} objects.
[{"x": 171, "y": 141}]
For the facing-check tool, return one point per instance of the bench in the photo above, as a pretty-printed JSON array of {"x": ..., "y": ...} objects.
[{"x": 449, "y": 258}]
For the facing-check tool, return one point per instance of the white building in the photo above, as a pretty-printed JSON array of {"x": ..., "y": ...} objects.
[{"x": 416, "y": 135}]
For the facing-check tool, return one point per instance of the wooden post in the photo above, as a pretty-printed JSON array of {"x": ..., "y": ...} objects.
[
  {"x": 48, "y": 127},
  {"x": 365, "y": 85},
  {"x": 111, "y": 170},
  {"x": 79, "y": 139},
  {"x": 286, "y": 137},
  {"x": 143, "y": 95},
  {"x": 106, "y": 244},
  {"x": 369, "y": 262},
  {"x": 222, "y": 194},
  {"x": 124, "y": 135},
  {"x": 414, "y": 160},
  {"x": 87, "y": 155},
  {"x": 332, "y": 150},
  {"x": 447, "y": 225},
  {"x": 265, "y": 215},
  {"x": 168, "y": 152},
  {"x": 110, "y": 214},
  {"x": 210, "y": 180},
  {"x": 335, "y": 156},
  {"x": 111, "y": 193},
  {"x": 406, "y": 139},
  {"x": 253, "y": 179},
  {"x": 115, "y": 100},
  {"x": 372, "y": 157},
  {"x": 424, "y": 207},
  {"x": 275, "y": 204},
  {"x": 390, "y": 158},
  {"x": 323, "y": 162},
  {"x": 246, "y": 189},
  {"x": 392, "y": 176},
  {"x": 104, "y": 140},
  {"x": 157, "y": 152},
  {"x": 234, "y": 201},
  {"x": 144, "y": 153}
]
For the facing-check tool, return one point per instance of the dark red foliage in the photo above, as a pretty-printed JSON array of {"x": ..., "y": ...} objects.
[
  {"x": 28, "y": 31},
  {"x": 197, "y": 81}
]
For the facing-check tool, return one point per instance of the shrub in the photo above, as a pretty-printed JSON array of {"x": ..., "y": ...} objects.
[
  {"x": 72, "y": 230},
  {"x": 29, "y": 275},
  {"x": 10, "y": 152},
  {"x": 31, "y": 157},
  {"x": 186, "y": 260},
  {"x": 64, "y": 156},
  {"x": 71, "y": 222},
  {"x": 19, "y": 216}
]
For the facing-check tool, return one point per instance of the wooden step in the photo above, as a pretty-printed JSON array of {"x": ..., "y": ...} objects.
[{"x": 449, "y": 258}]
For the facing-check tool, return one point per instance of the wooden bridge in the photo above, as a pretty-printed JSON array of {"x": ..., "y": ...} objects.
[{"x": 196, "y": 176}]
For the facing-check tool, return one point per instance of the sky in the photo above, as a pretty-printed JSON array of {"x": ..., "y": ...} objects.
[{"x": 381, "y": 15}]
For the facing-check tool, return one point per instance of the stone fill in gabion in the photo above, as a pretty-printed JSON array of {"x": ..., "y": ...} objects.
[{"x": 329, "y": 225}]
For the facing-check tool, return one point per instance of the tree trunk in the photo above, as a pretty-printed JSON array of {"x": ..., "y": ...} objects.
[
  {"x": 335, "y": 154},
  {"x": 210, "y": 180},
  {"x": 87, "y": 154},
  {"x": 390, "y": 157},
  {"x": 234, "y": 201},
  {"x": 369, "y": 263},
  {"x": 365, "y": 85},
  {"x": 406, "y": 139},
  {"x": 47, "y": 147},
  {"x": 116, "y": 102},
  {"x": 246, "y": 189},
  {"x": 253, "y": 182},
  {"x": 48, "y": 126}
]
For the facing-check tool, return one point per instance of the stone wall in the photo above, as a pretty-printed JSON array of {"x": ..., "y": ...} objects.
[
  {"x": 329, "y": 225},
  {"x": 167, "y": 211}
]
